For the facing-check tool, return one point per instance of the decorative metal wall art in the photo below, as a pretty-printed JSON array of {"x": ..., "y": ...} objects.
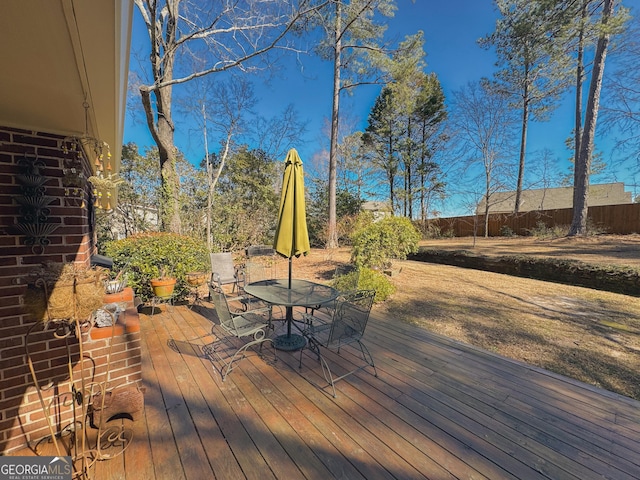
[{"x": 34, "y": 222}]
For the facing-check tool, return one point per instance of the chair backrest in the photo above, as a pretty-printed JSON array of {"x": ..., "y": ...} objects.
[
  {"x": 350, "y": 317},
  {"x": 255, "y": 271},
  {"x": 222, "y": 268},
  {"x": 260, "y": 251},
  {"x": 222, "y": 308}
]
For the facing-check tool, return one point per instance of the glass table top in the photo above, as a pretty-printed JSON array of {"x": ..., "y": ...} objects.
[{"x": 303, "y": 293}]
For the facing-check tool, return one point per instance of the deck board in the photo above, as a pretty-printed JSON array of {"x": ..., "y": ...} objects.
[{"x": 439, "y": 409}]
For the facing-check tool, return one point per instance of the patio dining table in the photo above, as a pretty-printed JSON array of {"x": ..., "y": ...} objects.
[{"x": 300, "y": 293}]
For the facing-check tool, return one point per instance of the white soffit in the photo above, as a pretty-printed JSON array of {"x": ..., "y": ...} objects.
[{"x": 55, "y": 55}]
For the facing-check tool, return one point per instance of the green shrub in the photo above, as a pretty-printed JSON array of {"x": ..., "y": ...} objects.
[
  {"x": 375, "y": 280},
  {"x": 146, "y": 255},
  {"x": 506, "y": 231},
  {"x": 366, "y": 279},
  {"x": 349, "y": 224},
  {"x": 347, "y": 282},
  {"x": 377, "y": 244}
]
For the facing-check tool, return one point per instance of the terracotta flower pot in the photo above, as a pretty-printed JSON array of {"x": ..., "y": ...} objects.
[
  {"x": 195, "y": 279},
  {"x": 163, "y": 287}
]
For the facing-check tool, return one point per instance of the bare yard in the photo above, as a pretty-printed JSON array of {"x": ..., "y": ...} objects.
[{"x": 590, "y": 335}]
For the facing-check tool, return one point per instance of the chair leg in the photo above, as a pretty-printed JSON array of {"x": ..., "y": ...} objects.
[
  {"x": 314, "y": 346},
  {"x": 231, "y": 364},
  {"x": 326, "y": 371},
  {"x": 240, "y": 354},
  {"x": 366, "y": 355}
]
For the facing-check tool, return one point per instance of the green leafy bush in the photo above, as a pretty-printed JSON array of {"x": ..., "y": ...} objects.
[
  {"x": 346, "y": 282},
  {"x": 146, "y": 255},
  {"x": 506, "y": 231},
  {"x": 377, "y": 244},
  {"x": 366, "y": 279}
]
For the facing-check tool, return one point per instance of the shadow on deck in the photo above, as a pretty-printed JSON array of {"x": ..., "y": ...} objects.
[{"x": 438, "y": 409}]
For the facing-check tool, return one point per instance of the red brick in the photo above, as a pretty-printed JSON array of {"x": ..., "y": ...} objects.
[
  {"x": 20, "y": 370},
  {"x": 13, "y": 362},
  {"x": 7, "y": 342},
  {"x": 7, "y": 262}
]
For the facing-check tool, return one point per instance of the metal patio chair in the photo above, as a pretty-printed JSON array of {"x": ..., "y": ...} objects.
[
  {"x": 350, "y": 318},
  {"x": 349, "y": 270},
  {"x": 224, "y": 272},
  {"x": 244, "y": 326},
  {"x": 260, "y": 251},
  {"x": 254, "y": 272}
]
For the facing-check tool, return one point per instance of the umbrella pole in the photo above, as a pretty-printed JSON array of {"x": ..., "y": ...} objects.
[{"x": 289, "y": 309}]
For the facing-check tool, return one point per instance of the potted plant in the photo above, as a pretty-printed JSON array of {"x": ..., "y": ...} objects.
[
  {"x": 115, "y": 283},
  {"x": 163, "y": 285}
]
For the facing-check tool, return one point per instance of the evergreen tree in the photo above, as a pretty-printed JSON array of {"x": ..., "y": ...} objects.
[
  {"x": 404, "y": 132},
  {"x": 382, "y": 140},
  {"x": 430, "y": 113}
]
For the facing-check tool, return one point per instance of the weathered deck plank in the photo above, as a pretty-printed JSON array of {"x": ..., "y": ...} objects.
[{"x": 438, "y": 409}]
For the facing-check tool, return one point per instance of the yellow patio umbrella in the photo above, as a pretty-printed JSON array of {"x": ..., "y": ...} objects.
[{"x": 292, "y": 237}]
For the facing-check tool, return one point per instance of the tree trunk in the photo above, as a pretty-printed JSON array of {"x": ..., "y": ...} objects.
[
  {"x": 209, "y": 178},
  {"x": 332, "y": 233},
  {"x": 579, "y": 74},
  {"x": 162, "y": 131},
  {"x": 583, "y": 165},
  {"x": 487, "y": 196},
  {"x": 523, "y": 144},
  {"x": 422, "y": 175},
  {"x": 409, "y": 189}
]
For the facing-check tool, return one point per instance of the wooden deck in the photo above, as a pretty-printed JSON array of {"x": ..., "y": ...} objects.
[{"x": 438, "y": 409}]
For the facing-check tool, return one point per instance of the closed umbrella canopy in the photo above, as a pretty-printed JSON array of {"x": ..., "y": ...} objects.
[{"x": 292, "y": 237}]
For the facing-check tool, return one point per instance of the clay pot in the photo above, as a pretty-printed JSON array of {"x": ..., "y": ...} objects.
[
  {"x": 195, "y": 279},
  {"x": 163, "y": 287}
]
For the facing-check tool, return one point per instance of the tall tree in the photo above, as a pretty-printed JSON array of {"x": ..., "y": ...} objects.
[
  {"x": 609, "y": 24},
  {"x": 245, "y": 201},
  {"x": 228, "y": 35},
  {"x": 621, "y": 99},
  {"x": 382, "y": 140},
  {"x": 218, "y": 108},
  {"x": 482, "y": 122},
  {"x": 353, "y": 31},
  {"x": 534, "y": 68},
  {"x": 407, "y": 74},
  {"x": 403, "y": 132},
  {"x": 430, "y": 113}
]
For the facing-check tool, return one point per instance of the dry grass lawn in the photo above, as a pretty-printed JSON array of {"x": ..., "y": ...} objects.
[{"x": 590, "y": 335}]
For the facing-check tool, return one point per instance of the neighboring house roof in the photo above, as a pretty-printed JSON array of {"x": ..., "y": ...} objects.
[
  {"x": 373, "y": 206},
  {"x": 379, "y": 210},
  {"x": 59, "y": 56},
  {"x": 555, "y": 198}
]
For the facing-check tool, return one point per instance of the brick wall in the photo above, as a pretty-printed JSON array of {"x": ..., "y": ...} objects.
[{"x": 22, "y": 420}]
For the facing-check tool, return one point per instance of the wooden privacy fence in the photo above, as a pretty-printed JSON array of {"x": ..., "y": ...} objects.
[{"x": 614, "y": 219}]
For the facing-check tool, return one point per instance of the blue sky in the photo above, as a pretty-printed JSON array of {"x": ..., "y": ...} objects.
[{"x": 451, "y": 29}]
